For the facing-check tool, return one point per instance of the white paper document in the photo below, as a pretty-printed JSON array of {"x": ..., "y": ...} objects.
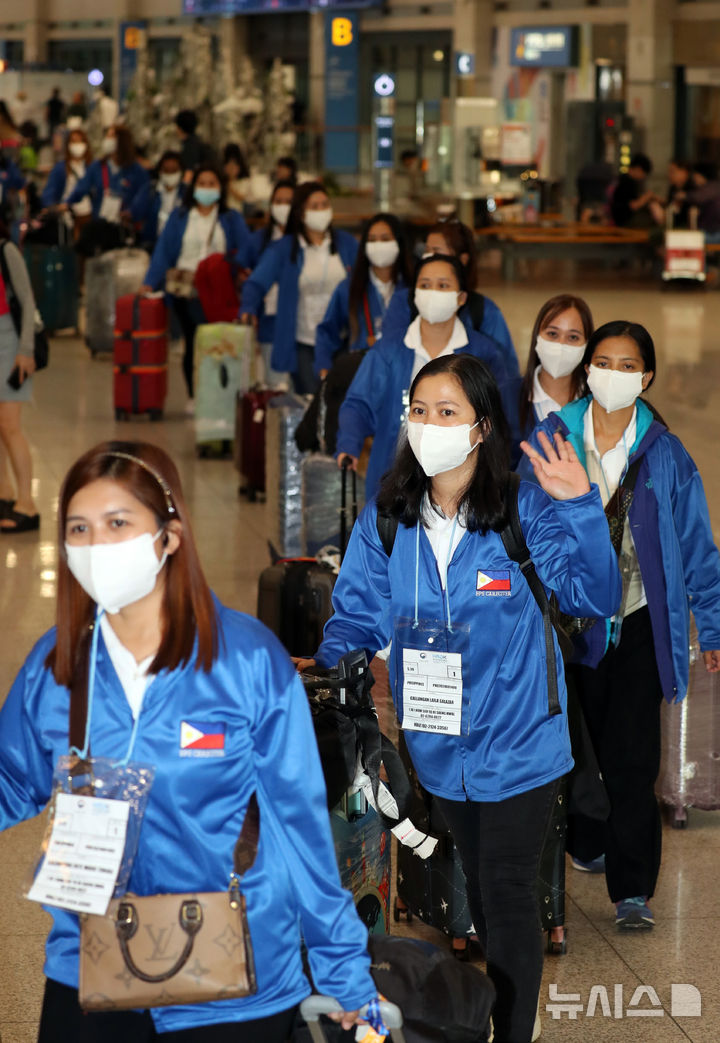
[
  {"x": 84, "y": 853},
  {"x": 432, "y": 691}
]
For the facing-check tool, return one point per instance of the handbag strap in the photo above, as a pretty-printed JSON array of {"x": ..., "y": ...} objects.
[{"x": 368, "y": 320}]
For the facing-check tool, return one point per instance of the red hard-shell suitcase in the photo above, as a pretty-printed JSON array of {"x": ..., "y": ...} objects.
[
  {"x": 140, "y": 356},
  {"x": 250, "y": 415}
]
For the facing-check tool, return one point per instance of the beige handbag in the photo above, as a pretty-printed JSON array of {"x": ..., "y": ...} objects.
[
  {"x": 161, "y": 950},
  {"x": 180, "y": 282}
]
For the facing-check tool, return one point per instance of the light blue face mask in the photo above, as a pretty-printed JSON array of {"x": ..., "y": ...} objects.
[{"x": 206, "y": 196}]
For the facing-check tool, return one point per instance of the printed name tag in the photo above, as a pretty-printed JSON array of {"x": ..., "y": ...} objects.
[{"x": 432, "y": 691}]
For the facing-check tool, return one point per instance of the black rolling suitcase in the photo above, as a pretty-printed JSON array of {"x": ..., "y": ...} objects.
[{"x": 295, "y": 594}]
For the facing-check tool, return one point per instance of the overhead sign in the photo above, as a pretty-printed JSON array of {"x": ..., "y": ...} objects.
[
  {"x": 230, "y": 7},
  {"x": 342, "y": 54},
  {"x": 465, "y": 63},
  {"x": 549, "y": 46},
  {"x": 131, "y": 35}
]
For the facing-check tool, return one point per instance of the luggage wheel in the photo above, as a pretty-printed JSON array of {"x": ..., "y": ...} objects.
[
  {"x": 203, "y": 452},
  {"x": 156, "y": 414},
  {"x": 401, "y": 912},
  {"x": 555, "y": 946},
  {"x": 121, "y": 414},
  {"x": 679, "y": 817}
]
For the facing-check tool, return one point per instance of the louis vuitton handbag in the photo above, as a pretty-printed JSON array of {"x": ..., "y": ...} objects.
[
  {"x": 165, "y": 949},
  {"x": 180, "y": 282}
]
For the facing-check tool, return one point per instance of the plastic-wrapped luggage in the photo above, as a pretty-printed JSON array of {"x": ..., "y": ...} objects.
[
  {"x": 140, "y": 357},
  {"x": 53, "y": 272},
  {"x": 107, "y": 278},
  {"x": 283, "y": 476},
  {"x": 322, "y": 482},
  {"x": 690, "y": 765},
  {"x": 224, "y": 360},
  {"x": 250, "y": 423}
]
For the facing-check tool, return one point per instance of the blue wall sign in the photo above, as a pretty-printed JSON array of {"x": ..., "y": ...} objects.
[
  {"x": 544, "y": 47},
  {"x": 130, "y": 34},
  {"x": 341, "y": 92},
  {"x": 464, "y": 63}
]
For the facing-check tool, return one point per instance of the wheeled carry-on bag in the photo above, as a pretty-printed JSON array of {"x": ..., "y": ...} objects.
[
  {"x": 140, "y": 357},
  {"x": 324, "y": 485},
  {"x": 107, "y": 278},
  {"x": 689, "y": 768},
  {"x": 251, "y": 409},
  {"x": 53, "y": 272},
  {"x": 283, "y": 490},
  {"x": 224, "y": 364}
]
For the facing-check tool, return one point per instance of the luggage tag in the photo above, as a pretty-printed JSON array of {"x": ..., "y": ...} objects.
[
  {"x": 110, "y": 207},
  {"x": 91, "y": 839},
  {"x": 375, "y": 1031},
  {"x": 432, "y": 663}
]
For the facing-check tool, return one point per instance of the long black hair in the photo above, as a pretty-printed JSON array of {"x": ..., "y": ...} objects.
[
  {"x": 635, "y": 332},
  {"x": 454, "y": 262},
  {"x": 403, "y": 488},
  {"x": 361, "y": 269}
]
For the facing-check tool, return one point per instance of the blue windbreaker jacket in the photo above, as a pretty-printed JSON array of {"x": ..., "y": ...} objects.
[
  {"x": 374, "y": 405},
  {"x": 197, "y": 805},
  {"x": 399, "y": 316},
  {"x": 678, "y": 559},
  {"x": 511, "y": 743},
  {"x": 125, "y": 182},
  {"x": 169, "y": 245},
  {"x": 145, "y": 209},
  {"x": 55, "y": 186},
  {"x": 335, "y": 327},
  {"x": 258, "y": 243},
  {"x": 276, "y": 266}
]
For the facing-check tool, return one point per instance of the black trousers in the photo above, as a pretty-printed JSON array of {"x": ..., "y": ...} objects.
[
  {"x": 304, "y": 380},
  {"x": 63, "y": 1021},
  {"x": 190, "y": 315},
  {"x": 621, "y": 700},
  {"x": 500, "y": 845}
]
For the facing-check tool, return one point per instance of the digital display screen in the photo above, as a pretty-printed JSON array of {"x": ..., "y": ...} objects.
[
  {"x": 546, "y": 47},
  {"x": 384, "y": 141}
]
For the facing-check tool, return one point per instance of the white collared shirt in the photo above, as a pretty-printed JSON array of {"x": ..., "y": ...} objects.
[
  {"x": 168, "y": 202},
  {"x": 270, "y": 306},
  {"x": 543, "y": 403},
  {"x": 133, "y": 676},
  {"x": 203, "y": 236},
  {"x": 384, "y": 289},
  {"x": 441, "y": 531},
  {"x": 413, "y": 340},
  {"x": 321, "y": 272}
]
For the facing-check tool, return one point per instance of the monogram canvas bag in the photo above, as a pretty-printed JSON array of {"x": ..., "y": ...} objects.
[{"x": 161, "y": 950}]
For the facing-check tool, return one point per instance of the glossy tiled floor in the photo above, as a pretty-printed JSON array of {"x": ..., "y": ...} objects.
[{"x": 73, "y": 411}]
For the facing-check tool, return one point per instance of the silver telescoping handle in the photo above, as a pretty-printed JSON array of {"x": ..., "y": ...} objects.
[{"x": 312, "y": 1007}]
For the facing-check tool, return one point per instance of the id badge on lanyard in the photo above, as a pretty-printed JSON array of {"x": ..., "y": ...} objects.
[{"x": 432, "y": 665}]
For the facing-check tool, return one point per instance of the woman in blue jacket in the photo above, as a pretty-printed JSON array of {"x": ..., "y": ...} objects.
[
  {"x": 307, "y": 265},
  {"x": 112, "y": 181},
  {"x": 657, "y": 511},
  {"x": 479, "y": 312},
  {"x": 280, "y": 207},
  {"x": 354, "y": 318},
  {"x": 203, "y": 226},
  {"x": 151, "y": 207},
  {"x": 376, "y": 403},
  {"x": 170, "y": 668},
  {"x": 66, "y": 174},
  {"x": 468, "y": 666}
]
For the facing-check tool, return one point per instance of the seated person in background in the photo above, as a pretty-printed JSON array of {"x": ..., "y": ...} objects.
[
  {"x": 704, "y": 193},
  {"x": 634, "y": 206},
  {"x": 593, "y": 182},
  {"x": 678, "y": 183}
]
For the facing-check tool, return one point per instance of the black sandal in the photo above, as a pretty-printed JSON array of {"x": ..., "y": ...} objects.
[
  {"x": 5, "y": 507},
  {"x": 23, "y": 522}
]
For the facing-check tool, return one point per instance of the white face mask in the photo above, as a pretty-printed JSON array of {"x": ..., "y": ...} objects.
[
  {"x": 77, "y": 149},
  {"x": 614, "y": 390},
  {"x": 382, "y": 254},
  {"x": 109, "y": 145},
  {"x": 438, "y": 448},
  {"x": 559, "y": 360},
  {"x": 318, "y": 220},
  {"x": 436, "y": 305},
  {"x": 280, "y": 213},
  {"x": 171, "y": 180},
  {"x": 115, "y": 575}
]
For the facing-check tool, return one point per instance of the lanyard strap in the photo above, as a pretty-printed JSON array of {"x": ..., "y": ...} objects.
[{"x": 368, "y": 320}]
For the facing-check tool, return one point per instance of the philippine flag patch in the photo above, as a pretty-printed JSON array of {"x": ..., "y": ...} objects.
[
  {"x": 198, "y": 739},
  {"x": 495, "y": 583}
]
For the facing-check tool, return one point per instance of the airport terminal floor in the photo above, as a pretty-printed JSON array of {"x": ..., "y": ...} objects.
[{"x": 72, "y": 411}]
